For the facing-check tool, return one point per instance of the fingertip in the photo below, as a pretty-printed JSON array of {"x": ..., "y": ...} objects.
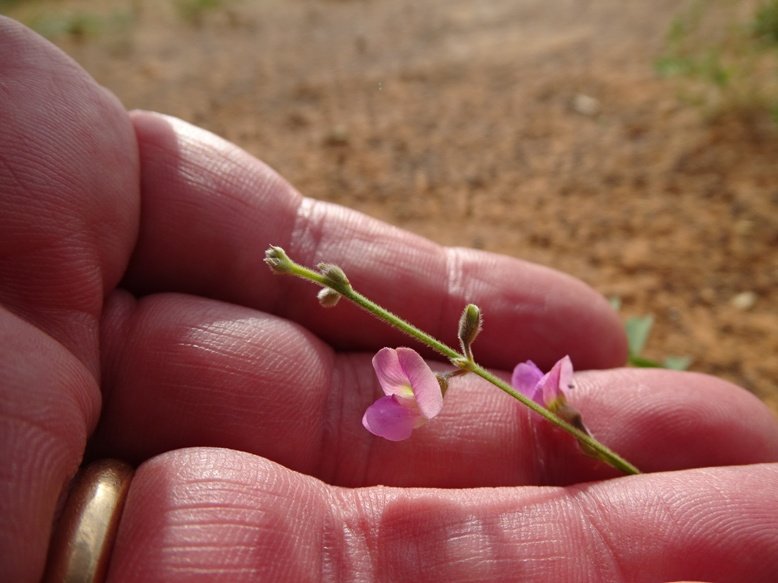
[
  {"x": 666, "y": 420},
  {"x": 533, "y": 311}
]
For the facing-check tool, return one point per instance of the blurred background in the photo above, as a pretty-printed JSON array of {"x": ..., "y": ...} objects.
[{"x": 632, "y": 144}]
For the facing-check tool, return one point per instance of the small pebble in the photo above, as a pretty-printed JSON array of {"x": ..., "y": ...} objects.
[
  {"x": 744, "y": 300},
  {"x": 586, "y": 105}
]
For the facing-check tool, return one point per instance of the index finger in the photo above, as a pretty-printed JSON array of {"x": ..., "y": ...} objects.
[{"x": 210, "y": 210}]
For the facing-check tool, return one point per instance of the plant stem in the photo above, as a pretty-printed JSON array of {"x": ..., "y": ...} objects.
[
  {"x": 378, "y": 311},
  {"x": 600, "y": 451},
  {"x": 282, "y": 264}
]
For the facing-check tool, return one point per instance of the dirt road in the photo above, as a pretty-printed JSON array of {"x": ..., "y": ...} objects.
[{"x": 534, "y": 128}]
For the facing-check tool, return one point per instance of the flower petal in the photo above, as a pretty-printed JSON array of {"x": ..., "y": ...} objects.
[
  {"x": 559, "y": 379},
  {"x": 391, "y": 376},
  {"x": 525, "y": 379},
  {"x": 389, "y": 419},
  {"x": 426, "y": 388}
]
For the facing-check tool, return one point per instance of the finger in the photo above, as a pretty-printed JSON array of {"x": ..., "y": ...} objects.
[
  {"x": 67, "y": 164},
  {"x": 184, "y": 371},
  {"x": 68, "y": 178},
  {"x": 49, "y": 403},
  {"x": 210, "y": 211},
  {"x": 205, "y": 514}
]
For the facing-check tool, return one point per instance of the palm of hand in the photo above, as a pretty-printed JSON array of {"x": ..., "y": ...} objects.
[{"x": 136, "y": 310}]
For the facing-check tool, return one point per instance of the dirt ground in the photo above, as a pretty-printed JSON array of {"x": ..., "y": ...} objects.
[{"x": 535, "y": 128}]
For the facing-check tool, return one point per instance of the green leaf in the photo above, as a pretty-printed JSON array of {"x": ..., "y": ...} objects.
[
  {"x": 642, "y": 362},
  {"x": 677, "y": 362},
  {"x": 638, "y": 328}
]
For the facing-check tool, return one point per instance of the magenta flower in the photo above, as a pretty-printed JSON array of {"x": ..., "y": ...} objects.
[
  {"x": 547, "y": 389},
  {"x": 413, "y": 395}
]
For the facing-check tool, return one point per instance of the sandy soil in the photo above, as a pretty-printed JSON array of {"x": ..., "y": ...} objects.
[{"x": 536, "y": 128}]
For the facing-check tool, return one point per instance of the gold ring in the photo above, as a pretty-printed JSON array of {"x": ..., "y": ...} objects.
[{"x": 83, "y": 538}]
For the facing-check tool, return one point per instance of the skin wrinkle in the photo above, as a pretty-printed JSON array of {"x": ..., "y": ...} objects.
[
  {"x": 98, "y": 146},
  {"x": 333, "y": 408},
  {"x": 530, "y": 300},
  {"x": 300, "y": 238},
  {"x": 304, "y": 238},
  {"x": 199, "y": 377},
  {"x": 720, "y": 516},
  {"x": 68, "y": 371},
  {"x": 357, "y": 555},
  {"x": 309, "y": 246},
  {"x": 351, "y": 523},
  {"x": 566, "y": 518},
  {"x": 355, "y": 228},
  {"x": 64, "y": 235},
  {"x": 64, "y": 242},
  {"x": 210, "y": 338},
  {"x": 455, "y": 287},
  {"x": 353, "y": 510},
  {"x": 538, "y": 456},
  {"x": 542, "y": 544},
  {"x": 230, "y": 167},
  {"x": 53, "y": 425},
  {"x": 222, "y": 206},
  {"x": 18, "y": 183},
  {"x": 346, "y": 373},
  {"x": 588, "y": 509},
  {"x": 225, "y": 192},
  {"x": 329, "y": 560}
]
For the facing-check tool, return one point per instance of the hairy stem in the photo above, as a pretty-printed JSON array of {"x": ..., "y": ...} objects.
[{"x": 279, "y": 262}]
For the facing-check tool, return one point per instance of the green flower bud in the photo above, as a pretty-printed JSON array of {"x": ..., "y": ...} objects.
[
  {"x": 470, "y": 325},
  {"x": 335, "y": 276},
  {"x": 277, "y": 259}
]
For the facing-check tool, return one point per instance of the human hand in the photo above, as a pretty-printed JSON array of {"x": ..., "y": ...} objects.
[{"x": 139, "y": 322}]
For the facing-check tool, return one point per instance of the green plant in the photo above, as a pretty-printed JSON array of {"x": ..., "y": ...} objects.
[
  {"x": 638, "y": 329},
  {"x": 725, "y": 63},
  {"x": 413, "y": 395},
  {"x": 765, "y": 23},
  {"x": 78, "y": 25},
  {"x": 55, "y": 22},
  {"x": 193, "y": 11}
]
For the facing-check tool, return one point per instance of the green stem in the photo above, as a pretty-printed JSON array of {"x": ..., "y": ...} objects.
[
  {"x": 598, "y": 449},
  {"x": 378, "y": 311},
  {"x": 282, "y": 264}
]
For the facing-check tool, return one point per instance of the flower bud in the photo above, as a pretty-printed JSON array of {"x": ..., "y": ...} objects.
[
  {"x": 277, "y": 259},
  {"x": 470, "y": 325},
  {"x": 335, "y": 276},
  {"x": 573, "y": 417},
  {"x": 328, "y": 297}
]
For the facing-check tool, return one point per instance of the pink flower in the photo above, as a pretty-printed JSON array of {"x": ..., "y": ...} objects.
[
  {"x": 547, "y": 390},
  {"x": 413, "y": 395}
]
